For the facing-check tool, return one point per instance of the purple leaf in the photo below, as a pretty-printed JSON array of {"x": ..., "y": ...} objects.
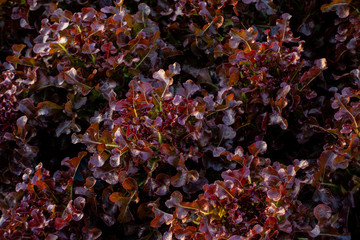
[
  {"x": 226, "y": 132},
  {"x": 229, "y": 117},
  {"x": 217, "y": 151},
  {"x": 97, "y": 160},
  {"x": 274, "y": 194},
  {"x": 322, "y": 212},
  {"x": 257, "y": 147}
]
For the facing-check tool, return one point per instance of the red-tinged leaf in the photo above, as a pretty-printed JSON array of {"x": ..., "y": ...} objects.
[
  {"x": 322, "y": 212},
  {"x": 60, "y": 223},
  {"x": 271, "y": 222},
  {"x": 17, "y": 48},
  {"x": 47, "y": 108},
  {"x": 90, "y": 182},
  {"x": 90, "y": 137},
  {"x": 101, "y": 147},
  {"x": 161, "y": 75},
  {"x": 180, "y": 212},
  {"x": 111, "y": 176},
  {"x": 239, "y": 175},
  {"x": 42, "y": 48},
  {"x": 257, "y": 147},
  {"x": 274, "y": 194},
  {"x": 221, "y": 189},
  {"x": 286, "y": 226},
  {"x": 29, "y": 61},
  {"x": 341, "y": 102},
  {"x": 155, "y": 37},
  {"x": 283, "y": 91},
  {"x": 218, "y": 21},
  {"x": 21, "y": 187},
  {"x": 118, "y": 198},
  {"x": 178, "y": 180},
  {"x": 190, "y": 89},
  {"x": 226, "y": 132},
  {"x": 27, "y": 107},
  {"x": 175, "y": 200},
  {"x": 185, "y": 233},
  {"x": 144, "y": 9},
  {"x": 97, "y": 26},
  {"x": 234, "y": 78},
  {"x": 166, "y": 149},
  {"x": 334, "y": 5},
  {"x": 144, "y": 211},
  {"x": 266, "y": 6},
  {"x": 89, "y": 48},
  {"x": 130, "y": 185},
  {"x": 69, "y": 76},
  {"x": 41, "y": 185},
  {"x": 108, "y": 219},
  {"x": 192, "y": 176},
  {"x": 13, "y": 59},
  {"x": 144, "y": 154},
  {"x": 51, "y": 237},
  {"x": 218, "y": 151},
  {"x": 284, "y": 29},
  {"x": 49, "y": 104},
  {"x": 20, "y": 123},
  {"x": 320, "y": 65},
  {"x": 270, "y": 176},
  {"x": 315, "y": 231},
  {"x": 208, "y": 229},
  {"x": 160, "y": 185},
  {"x": 97, "y": 159},
  {"x": 229, "y": 117},
  {"x": 257, "y": 229},
  {"x": 79, "y": 203},
  {"x": 160, "y": 217},
  {"x": 125, "y": 214},
  {"x": 38, "y": 219},
  {"x": 91, "y": 233},
  {"x": 276, "y": 119},
  {"x": 281, "y": 103},
  {"x": 64, "y": 127},
  {"x": 247, "y": 37},
  {"x": 115, "y": 158},
  {"x": 73, "y": 163},
  {"x": 236, "y": 237},
  {"x": 301, "y": 164},
  {"x": 218, "y": 51},
  {"x": 68, "y": 108},
  {"x": 167, "y": 236}
]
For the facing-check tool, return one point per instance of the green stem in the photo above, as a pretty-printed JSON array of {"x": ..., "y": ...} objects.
[
  {"x": 225, "y": 190},
  {"x": 244, "y": 125},
  {"x": 80, "y": 83},
  {"x": 297, "y": 71},
  {"x": 211, "y": 85},
  {"x": 309, "y": 82},
  {"x": 160, "y": 138},
  {"x": 330, "y": 185},
  {"x": 133, "y": 101},
  {"x": 142, "y": 60},
  {"x": 106, "y": 144},
  {"x": 351, "y": 115},
  {"x": 247, "y": 44},
  {"x": 64, "y": 49},
  {"x": 194, "y": 209}
]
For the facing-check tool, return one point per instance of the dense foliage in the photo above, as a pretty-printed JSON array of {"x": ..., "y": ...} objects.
[{"x": 183, "y": 119}]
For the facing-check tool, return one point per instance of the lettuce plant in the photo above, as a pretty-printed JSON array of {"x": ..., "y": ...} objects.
[{"x": 186, "y": 119}]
